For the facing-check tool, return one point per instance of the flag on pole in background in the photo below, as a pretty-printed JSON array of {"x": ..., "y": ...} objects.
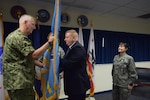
[
  {"x": 36, "y": 45},
  {"x": 91, "y": 60},
  {"x": 50, "y": 73},
  {"x": 36, "y": 36},
  {"x": 80, "y": 37},
  {"x": 1, "y": 53}
]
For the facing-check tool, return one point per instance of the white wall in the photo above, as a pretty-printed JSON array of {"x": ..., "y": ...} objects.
[{"x": 103, "y": 78}]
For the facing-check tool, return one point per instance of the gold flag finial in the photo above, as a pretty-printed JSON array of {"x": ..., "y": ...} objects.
[
  {"x": 37, "y": 16},
  {"x": 91, "y": 23},
  {"x": 79, "y": 22},
  {"x": 37, "y": 21}
]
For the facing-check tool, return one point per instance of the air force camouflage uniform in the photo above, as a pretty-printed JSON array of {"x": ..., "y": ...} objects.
[
  {"x": 18, "y": 68},
  {"x": 123, "y": 74}
]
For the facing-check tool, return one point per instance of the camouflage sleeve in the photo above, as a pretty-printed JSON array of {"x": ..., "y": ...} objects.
[
  {"x": 112, "y": 71},
  {"x": 61, "y": 52},
  {"x": 132, "y": 71},
  {"x": 25, "y": 46}
]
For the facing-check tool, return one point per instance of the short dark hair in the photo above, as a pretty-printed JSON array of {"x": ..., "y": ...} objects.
[{"x": 124, "y": 44}]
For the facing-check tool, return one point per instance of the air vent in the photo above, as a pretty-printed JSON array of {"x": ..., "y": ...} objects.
[{"x": 145, "y": 16}]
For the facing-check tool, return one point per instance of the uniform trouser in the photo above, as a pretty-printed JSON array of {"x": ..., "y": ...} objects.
[
  {"x": 22, "y": 94},
  {"x": 120, "y": 93}
]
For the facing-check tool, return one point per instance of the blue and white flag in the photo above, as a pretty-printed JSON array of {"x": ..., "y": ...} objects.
[
  {"x": 80, "y": 37},
  {"x": 50, "y": 73}
]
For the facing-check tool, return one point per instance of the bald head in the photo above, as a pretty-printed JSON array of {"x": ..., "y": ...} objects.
[
  {"x": 27, "y": 24},
  {"x": 25, "y": 17}
]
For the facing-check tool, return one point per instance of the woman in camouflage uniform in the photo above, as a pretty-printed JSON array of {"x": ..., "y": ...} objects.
[{"x": 123, "y": 73}]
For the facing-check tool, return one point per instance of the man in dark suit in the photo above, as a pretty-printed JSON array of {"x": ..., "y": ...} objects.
[{"x": 76, "y": 80}]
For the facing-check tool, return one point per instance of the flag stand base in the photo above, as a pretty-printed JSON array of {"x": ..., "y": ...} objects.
[{"x": 90, "y": 98}]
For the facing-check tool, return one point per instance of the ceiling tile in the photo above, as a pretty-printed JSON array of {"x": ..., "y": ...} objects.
[
  {"x": 124, "y": 11},
  {"x": 104, "y": 7},
  {"x": 87, "y": 3},
  {"x": 119, "y": 8},
  {"x": 118, "y": 2},
  {"x": 80, "y": 10},
  {"x": 140, "y": 4}
]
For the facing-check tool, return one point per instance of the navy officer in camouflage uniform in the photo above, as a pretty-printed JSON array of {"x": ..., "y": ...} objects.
[
  {"x": 123, "y": 73},
  {"x": 19, "y": 59}
]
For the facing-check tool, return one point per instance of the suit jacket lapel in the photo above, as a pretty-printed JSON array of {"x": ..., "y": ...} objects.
[{"x": 69, "y": 49}]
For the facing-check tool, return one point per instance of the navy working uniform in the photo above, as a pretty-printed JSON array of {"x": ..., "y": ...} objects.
[
  {"x": 18, "y": 68},
  {"x": 123, "y": 74}
]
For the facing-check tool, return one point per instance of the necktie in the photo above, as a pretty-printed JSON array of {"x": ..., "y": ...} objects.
[{"x": 68, "y": 51}]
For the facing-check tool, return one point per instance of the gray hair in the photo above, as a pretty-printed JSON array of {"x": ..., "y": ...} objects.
[{"x": 25, "y": 18}]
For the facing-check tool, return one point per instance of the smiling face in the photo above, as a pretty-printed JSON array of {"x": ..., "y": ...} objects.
[
  {"x": 68, "y": 39},
  {"x": 71, "y": 36},
  {"x": 30, "y": 25},
  {"x": 27, "y": 24},
  {"x": 122, "y": 48}
]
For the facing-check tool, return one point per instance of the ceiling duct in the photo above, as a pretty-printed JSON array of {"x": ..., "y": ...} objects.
[{"x": 145, "y": 16}]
